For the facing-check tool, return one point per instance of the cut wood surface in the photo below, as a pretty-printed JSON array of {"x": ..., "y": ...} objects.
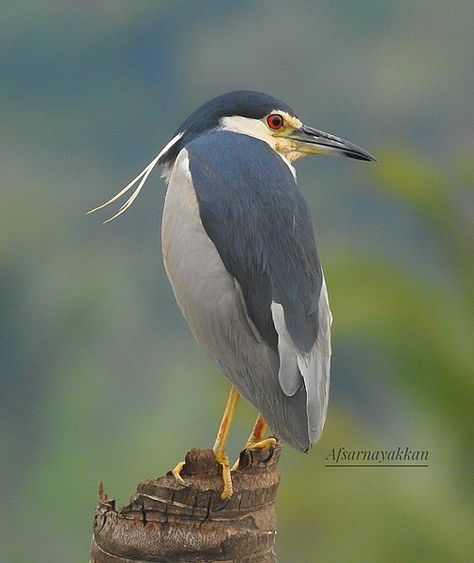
[{"x": 166, "y": 521}]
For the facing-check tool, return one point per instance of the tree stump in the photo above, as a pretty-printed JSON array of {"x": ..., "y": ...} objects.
[{"x": 165, "y": 521}]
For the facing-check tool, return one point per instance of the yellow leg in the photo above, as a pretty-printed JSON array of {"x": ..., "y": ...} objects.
[
  {"x": 258, "y": 431},
  {"x": 256, "y": 440},
  {"x": 222, "y": 438},
  {"x": 220, "y": 446}
]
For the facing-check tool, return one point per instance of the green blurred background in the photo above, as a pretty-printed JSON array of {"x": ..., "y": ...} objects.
[{"x": 100, "y": 376}]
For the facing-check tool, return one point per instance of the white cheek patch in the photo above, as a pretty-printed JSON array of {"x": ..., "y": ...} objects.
[{"x": 248, "y": 126}]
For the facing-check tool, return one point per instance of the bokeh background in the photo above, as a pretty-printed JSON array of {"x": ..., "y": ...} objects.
[{"x": 100, "y": 377}]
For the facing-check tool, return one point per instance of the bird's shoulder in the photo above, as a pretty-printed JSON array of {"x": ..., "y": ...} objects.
[{"x": 226, "y": 154}]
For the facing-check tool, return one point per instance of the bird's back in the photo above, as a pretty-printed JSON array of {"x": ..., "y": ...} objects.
[{"x": 239, "y": 251}]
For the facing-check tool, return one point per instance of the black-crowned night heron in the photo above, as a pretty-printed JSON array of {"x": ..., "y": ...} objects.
[{"x": 239, "y": 250}]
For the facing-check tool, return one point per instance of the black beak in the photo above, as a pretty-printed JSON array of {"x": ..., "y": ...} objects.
[{"x": 312, "y": 141}]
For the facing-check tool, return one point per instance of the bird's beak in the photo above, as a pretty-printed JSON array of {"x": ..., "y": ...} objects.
[{"x": 311, "y": 141}]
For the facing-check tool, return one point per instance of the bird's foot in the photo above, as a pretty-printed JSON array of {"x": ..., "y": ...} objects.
[
  {"x": 177, "y": 473},
  {"x": 260, "y": 445},
  {"x": 223, "y": 461}
]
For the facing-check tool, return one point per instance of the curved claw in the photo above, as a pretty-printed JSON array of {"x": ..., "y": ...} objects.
[
  {"x": 177, "y": 473},
  {"x": 222, "y": 505},
  {"x": 262, "y": 444},
  {"x": 271, "y": 451}
]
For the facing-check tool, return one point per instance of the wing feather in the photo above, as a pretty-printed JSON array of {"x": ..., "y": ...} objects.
[
  {"x": 252, "y": 211},
  {"x": 311, "y": 368}
]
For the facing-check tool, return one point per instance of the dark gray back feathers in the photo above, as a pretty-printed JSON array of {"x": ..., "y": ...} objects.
[{"x": 260, "y": 224}]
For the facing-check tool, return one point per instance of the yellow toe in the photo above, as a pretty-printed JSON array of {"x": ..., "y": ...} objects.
[
  {"x": 177, "y": 472},
  {"x": 223, "y": 460},
  {"x": 267, "y": 443}
]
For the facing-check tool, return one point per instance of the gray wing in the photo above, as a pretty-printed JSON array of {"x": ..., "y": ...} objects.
[
  {"x": 287, "y": 384},
  {"x": 260, "y": 224}
]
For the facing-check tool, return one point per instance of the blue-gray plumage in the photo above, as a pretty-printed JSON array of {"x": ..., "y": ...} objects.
[
  {"x": 254, "y": 214},
  {"x": 214, "y": 304},
  {"x": 239, "y": 250}
]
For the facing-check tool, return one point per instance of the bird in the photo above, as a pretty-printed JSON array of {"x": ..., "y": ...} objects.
[{"x": 239, "y": 250}]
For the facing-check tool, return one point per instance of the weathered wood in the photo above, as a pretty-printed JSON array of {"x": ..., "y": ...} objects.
[{"x": 165, "y": 521}]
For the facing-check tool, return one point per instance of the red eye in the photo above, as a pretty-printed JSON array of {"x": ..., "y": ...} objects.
[{"x": 275, "y": 121}]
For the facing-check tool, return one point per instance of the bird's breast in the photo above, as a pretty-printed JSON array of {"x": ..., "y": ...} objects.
[{"x": 201, "y": 284}]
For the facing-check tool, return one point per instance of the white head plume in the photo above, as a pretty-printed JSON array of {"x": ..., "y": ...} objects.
[{"x": 141, "y": 179}]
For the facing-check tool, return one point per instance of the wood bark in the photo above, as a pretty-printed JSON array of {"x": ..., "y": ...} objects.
[{"x": 165, "y": 521}]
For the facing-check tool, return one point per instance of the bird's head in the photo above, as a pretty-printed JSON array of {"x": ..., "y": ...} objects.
[
  {"x": 249, "y": 113},
  {"x": 266, "y": 118}
]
